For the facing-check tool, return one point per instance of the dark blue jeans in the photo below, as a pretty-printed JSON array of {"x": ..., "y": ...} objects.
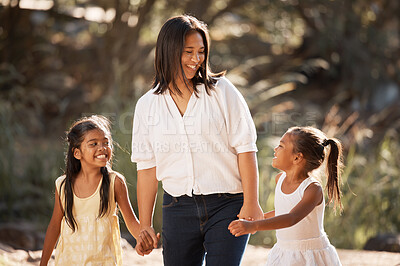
[{"x": 194, "y": 227}]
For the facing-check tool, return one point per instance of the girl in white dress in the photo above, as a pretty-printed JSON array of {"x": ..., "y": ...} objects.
[{"x": 299, "y": 200}]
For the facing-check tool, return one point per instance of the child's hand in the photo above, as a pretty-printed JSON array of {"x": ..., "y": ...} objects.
[
  {"x": 140, "y": 250},
  {"x": 241, "y": 227}
]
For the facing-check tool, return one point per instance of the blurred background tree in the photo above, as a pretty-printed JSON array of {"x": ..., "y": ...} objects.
[{"x": 333, "y": 64}]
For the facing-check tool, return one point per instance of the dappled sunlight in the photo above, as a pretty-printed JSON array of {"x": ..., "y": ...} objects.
[
  {"x": 334, "y": 65},
  {"x": 36, "y": 4},
  {"x": 90, "y": 13}
]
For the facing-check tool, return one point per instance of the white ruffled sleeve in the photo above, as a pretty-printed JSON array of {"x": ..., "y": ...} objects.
[
  {"x": 142, "y": 150},
  {"x": 240, "y": 126}
]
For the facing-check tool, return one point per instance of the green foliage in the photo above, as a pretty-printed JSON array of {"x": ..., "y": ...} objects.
[
  {"x": 6, "y": 158},
  {"x": 333, "y": 62},
  {"x": 370, "y": 195},
  {"x": 27, "y": 183}
]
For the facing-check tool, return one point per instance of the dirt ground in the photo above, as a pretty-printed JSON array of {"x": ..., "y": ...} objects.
[{"x": 254, "y": 256}]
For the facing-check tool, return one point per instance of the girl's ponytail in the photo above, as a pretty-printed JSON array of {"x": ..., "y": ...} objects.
[
  {"x": 311, "y": 142},
  {"x": 333, "y": 168}
]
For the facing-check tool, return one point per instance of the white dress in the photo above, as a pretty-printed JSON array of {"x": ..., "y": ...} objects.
[{"x": 306, "y": 242}]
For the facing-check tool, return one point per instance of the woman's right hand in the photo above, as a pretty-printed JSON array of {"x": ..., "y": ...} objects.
[
  {"x": 147, "y": 240},
  {"x": 140, "y": 250},
  {"x": 147, "y": 185}
]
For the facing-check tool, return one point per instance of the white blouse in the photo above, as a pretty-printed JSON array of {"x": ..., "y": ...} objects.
[{"x": 197, "y": 152}]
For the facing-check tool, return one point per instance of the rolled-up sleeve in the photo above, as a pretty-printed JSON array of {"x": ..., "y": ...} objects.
[
  {"x": 142, "y": 150},
  {"x": 241, "y": 129}
]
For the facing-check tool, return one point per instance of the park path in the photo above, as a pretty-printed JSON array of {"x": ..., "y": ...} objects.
[{"x": 254, "y": 256}]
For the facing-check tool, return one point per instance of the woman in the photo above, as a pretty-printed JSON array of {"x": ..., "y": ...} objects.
[{"x": 193, "y": 132}]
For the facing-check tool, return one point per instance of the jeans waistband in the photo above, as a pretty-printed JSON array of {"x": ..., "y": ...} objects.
[{"x": 207, "y": 196}]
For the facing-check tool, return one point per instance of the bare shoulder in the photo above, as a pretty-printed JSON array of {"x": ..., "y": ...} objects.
[
  {"x": 277, "y": 177},
  {"x": 120, "y": 181},
  {"x": 315, "y": 186},
  {"x": 314, "y": 191}
]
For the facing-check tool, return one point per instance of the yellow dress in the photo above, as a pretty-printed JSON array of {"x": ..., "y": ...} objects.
[{"x": 96, "y": 241}]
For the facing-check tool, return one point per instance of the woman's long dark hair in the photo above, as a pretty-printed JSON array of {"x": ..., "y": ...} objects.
[
  {"x": 311, "y": 142},
  {"x": 75, "y": 136},
  {"x": 169, "y": 48}
]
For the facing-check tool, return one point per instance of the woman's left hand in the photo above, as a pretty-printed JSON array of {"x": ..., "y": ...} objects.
[{"x": 251, "y": 212}]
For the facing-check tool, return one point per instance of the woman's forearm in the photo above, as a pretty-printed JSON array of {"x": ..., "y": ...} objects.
[
  {"x": 147, "y": 185},
  {"x": 247, "y": 163}
]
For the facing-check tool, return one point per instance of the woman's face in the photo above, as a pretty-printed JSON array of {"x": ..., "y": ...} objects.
[{"x": 193, "y": 54}]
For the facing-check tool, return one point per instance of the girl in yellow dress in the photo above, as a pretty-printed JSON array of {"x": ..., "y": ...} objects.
[{"x": 84, "y": 219}]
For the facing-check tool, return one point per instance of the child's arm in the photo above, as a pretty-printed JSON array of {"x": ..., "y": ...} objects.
[
  {"x": 144, "y": 242},
  {"x": 269, "y": 214},
  {"x": 247, "y": 163},
  {"x": 312, "y": 197},
  {"x": 53, "y": 231}
]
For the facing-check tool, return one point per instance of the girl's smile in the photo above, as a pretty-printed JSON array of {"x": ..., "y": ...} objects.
[{"x": 102, "y": 157}]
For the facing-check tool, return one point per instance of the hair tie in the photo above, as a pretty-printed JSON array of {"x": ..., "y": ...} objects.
[{"x": 325, "y": 143}]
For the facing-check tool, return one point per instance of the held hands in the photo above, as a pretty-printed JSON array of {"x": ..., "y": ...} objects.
[
  {"x": 251, "y": 212},
  {"x": 242, "y": 227},
  {"x": 146, "y": 241},
  {"x": 245, "y": 225}
]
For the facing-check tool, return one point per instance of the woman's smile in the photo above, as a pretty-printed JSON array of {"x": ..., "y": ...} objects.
[{"x": 193, "y": 54}]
